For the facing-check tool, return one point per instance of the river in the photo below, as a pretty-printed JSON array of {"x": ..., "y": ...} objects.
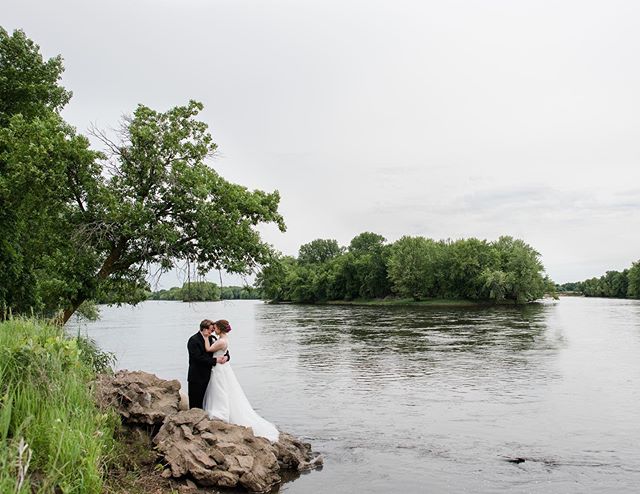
[{"x": 419, "y": 399}]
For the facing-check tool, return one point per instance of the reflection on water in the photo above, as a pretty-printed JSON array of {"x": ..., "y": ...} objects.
[{"x": 424, "y": 399}]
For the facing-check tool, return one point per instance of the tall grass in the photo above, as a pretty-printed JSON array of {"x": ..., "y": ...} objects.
[{"x": 53, "y": 438}]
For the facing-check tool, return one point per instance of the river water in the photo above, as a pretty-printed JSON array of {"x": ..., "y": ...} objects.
[{"x": 419, "y": 399}]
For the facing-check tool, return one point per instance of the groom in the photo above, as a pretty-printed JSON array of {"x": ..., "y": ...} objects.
[{"x": 200, "y": 363}]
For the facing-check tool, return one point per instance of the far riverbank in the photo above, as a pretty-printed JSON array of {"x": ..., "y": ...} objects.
[{"x": 408, "y": 302}]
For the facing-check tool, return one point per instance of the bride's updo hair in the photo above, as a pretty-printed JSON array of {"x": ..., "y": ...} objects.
[{"x": 223, "y": 325}]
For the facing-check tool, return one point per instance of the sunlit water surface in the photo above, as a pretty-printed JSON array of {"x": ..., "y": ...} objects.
[{"x": 402, "y": 399}]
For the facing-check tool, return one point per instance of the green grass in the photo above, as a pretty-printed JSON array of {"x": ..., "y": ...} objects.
[{"x": 50, "y": 427}]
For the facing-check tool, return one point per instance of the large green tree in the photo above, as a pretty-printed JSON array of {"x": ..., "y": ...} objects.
[
  {"x": 76, "y": 224},
  {"x": 44, "y": 168},
  {"x": 413, "y": 267},
  {"x": 519, "y": 275},
  {"x": 319, "y": 251},
  {"x": 369, "y": 257},
  {"x": 463, "y": 268},
  {"x": 162, "y": 204},
  {"x": 272, "y": 278}
]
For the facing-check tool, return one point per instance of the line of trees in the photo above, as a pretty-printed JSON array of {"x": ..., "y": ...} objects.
[
  {"x": 78, "y": 224},
  {"x": 412, "y": 267},
  {"x": 200, "y": 291},
  {"x": 613, "y": 284}
]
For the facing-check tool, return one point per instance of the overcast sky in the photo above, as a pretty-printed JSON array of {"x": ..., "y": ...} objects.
[{"x": 447, "y": 119}]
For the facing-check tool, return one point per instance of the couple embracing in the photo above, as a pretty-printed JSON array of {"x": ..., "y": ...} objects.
[{"x": 213, "y": 385}]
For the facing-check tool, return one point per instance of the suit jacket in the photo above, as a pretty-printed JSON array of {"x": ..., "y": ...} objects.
[{"x": 200, "y": 361}]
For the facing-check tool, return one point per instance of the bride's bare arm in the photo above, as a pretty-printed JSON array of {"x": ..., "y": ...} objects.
[{"x": 218, "y": 345}]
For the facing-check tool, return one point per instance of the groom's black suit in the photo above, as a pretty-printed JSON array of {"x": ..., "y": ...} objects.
[{"x": 200, "y": 364}]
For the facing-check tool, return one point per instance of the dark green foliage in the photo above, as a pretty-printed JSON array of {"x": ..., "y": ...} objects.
[
  {"x": 274, "y": 279},
  {"x": 319, "y": 251},
  {"x": 519, "y": 271},
  {"x": 613, "y": 284},
  {"x": 368, "y": 258},
  {"x": 173, "y": 293},
  {"x": 193, "y": 291},
  {"x": 200, "y": 291},
  {"x": 28, "y": 84},
  {"x": 633, "y": 279},
  {"x": 240, "y": 293},
  {"x": 45, "y": 169},
  {"x": 196, "y": 291},
  {"x": 414, "y": 267},
  {"x": 118, "y": 294},
  {"x": 574, "y": 286}
]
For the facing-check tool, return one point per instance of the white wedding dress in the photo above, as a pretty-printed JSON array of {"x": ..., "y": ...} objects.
[{"x": 225, "y": 400}]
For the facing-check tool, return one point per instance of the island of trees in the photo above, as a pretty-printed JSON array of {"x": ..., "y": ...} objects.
[
  {"x": 205, "y": 291},
  {"x": 613, "y": 284},
  {"x": 414, "y": 268}
]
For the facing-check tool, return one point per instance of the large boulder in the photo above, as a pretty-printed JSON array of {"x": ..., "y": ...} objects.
[
  {"x": 139, "y": 397},
  {"x": 215, "y": 453},
  {"x": 211, "y": 452}
]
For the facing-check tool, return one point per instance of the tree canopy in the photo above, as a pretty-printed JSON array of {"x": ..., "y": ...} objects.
[{"x": 412, "y": 267}]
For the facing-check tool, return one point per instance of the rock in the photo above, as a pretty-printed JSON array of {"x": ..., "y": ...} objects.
[
  {"x": 210, "y": 452},
  {"x": 215, "y": 453},
  {"x": 139, "y": 397},
  {"x": 184, "y": 401},
  {"x": 218, "y": 454},
  {"x": 188, "y": 488},
  {"x": 516, "y": 460},
  {"x": 295, "y": 455}
]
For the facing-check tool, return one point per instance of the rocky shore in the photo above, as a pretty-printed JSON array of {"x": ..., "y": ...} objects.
[{"x": 195, "y": 451}]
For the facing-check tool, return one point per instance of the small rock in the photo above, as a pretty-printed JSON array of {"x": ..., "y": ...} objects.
[{"x": 516, "y": 460}]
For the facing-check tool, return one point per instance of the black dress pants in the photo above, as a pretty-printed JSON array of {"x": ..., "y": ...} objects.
[{"x": 196, "y": 393}]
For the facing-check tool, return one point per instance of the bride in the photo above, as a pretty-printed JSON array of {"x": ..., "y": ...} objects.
[{"x": 224, "y": 398}]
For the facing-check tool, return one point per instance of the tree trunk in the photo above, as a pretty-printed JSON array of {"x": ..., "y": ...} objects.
[
  {"x": 66, "y": 315},
  {"x": 106, "y": 269}
]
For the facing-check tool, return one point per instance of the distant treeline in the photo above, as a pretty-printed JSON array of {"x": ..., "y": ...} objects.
[
  {"x": 412, "y": 267},
  {"x": 201, "y": 291},
  {"x": 615, "y": 284}
]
